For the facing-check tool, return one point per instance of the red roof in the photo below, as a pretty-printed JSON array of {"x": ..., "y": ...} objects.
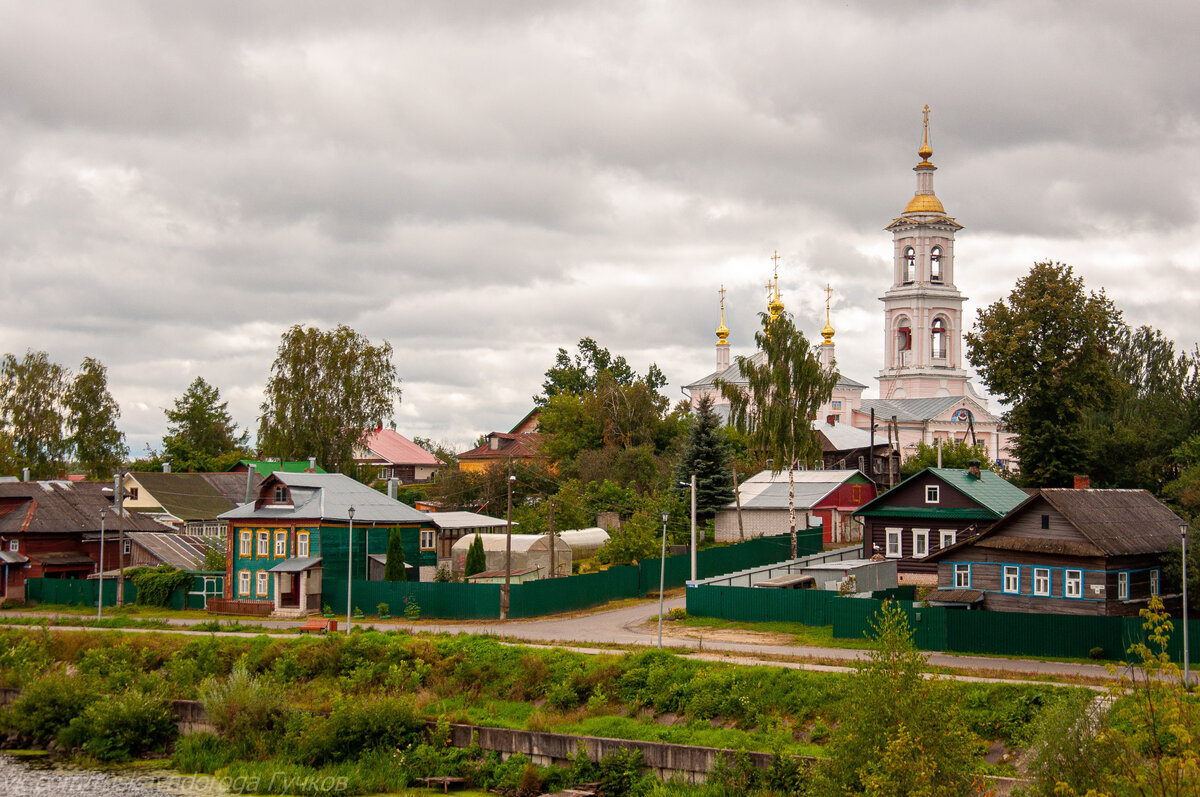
[
  {"x": 526, "y": 445},
  {"x": 390, "y": 445}
]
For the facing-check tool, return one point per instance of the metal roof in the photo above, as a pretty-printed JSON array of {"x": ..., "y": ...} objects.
[
  {"x": 327, "y": 496},
  {"x": 465, "y": 520},
  {"x": 187, "y": 496},
  {"x": 767, "y": 490},
  {"x": 995, "y": 496},
  {"x": 297, "y": 564},
  {"x": 177, "y": 550},
  {"x": 63, "y": 506},
  {"x": 924, "y": 409},
  {"x": 844, "y": 437},
  {"x": 12, "y": 558},
  {"x": 393, "y": 447}
]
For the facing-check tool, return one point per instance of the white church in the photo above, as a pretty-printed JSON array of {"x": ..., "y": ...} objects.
[{"x": 925, "y": 393}]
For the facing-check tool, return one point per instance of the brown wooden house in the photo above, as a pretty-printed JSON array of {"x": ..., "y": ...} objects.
[
  {"x": 1063, "y": 551},
  {"x": 932, "y": 510}
]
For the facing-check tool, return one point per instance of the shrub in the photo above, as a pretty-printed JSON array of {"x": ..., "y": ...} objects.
[
  {"x": 155, "y": 585},
  {"x": 245, "y": 709},
  {"x": 120, "y": 727},
  {"x": 412, "y": 610},
  {"x": 1096, "y": 653},
  {"x": 48, "y": 705},
  {"x": 355, "y": 728},
  {"x": 383, "y": 609}
]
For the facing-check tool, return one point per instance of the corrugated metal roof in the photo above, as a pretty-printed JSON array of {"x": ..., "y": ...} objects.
[
  {"x": 991, "y": 490},
  {"x": 177, "y": 550},
  {"x": 844, "y": 437},
  {"x": 767, "y": 490},
  {"x": 924, "y": 409},
  {"x": 328, "y": 496}
]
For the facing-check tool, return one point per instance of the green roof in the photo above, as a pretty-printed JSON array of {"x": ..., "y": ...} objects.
[
  {"x": 266, "y": 467},
  {"x": 993, "y": 491},
  {"x": 946, "y": 513}
]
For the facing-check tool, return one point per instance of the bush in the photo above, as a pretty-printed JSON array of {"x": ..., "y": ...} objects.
[
  {"x": 353, "y": 729},
  {"x": 48, "y": 705},
  {"x": 155, "y": 585},
  {"x": 245, "y": 709},
  {"x": 121, "y": 727}
]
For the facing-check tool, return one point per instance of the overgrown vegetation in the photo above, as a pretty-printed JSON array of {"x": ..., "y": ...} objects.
[{"x": 155, "y": 585}]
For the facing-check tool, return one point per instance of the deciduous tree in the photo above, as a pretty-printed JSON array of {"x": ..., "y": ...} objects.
[
  {"x": 786, "y": 385},
  {"x": 32, "y": 396},
  {"x": 92, "y": 413},
  {"x": 1045, "y": 351},
  {"x": 326, "y": 389},
  {"x": 955, "y": 454},
  {"x": 201, "y": 434}
]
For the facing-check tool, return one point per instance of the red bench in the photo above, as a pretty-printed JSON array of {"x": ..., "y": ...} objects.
[{"x": 319, "y": 624}]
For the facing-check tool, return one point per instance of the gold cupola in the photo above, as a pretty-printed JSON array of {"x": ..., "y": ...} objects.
[
  {"x": 924, "y": 200},
  {"x": 722, "y": 331},
  {"x": 774, "y": 303},
  {"x": 827, "y": 332}
]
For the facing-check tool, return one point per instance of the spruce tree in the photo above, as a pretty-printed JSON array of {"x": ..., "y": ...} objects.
[
  {"x": 394, "y": 569},
  {"x": 476, "y": 558},
  {"x": 708, "y": 455}
]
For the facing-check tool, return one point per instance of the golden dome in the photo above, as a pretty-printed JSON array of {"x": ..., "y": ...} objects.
[
  {"x": 924, "y": 203},
  {"x": 722, "y": 335},
  {"x": 827, "y": 333}
]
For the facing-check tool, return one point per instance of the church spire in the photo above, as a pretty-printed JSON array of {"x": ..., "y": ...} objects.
[
  {"x": 722, "y": 331},
  {"x": 774, "y": 303},
  {"x": 827, "y": 332},
  {"x": 923, "y": 200}
]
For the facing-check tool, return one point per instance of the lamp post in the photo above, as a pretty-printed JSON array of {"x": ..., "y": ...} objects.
[
  {"x": 100, "y": 573},
  {"x": 1183, "y": 530},
  {"x": 349, "y": 564},
  {"x": 662, "y": 576},
  {"x": 692, "y": 486}
]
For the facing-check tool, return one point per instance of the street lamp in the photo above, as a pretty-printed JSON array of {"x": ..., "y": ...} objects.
[
  {"x": 100, "y": 579},
  {"x": 662, "y": 576},
  {"x": 349, "y": 564},
  {"x": 1183, "y": 530},
  {"x": 692, "y": 485}
]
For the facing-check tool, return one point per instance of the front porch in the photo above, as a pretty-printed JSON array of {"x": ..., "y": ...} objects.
[{"x": 297, "y": 587}]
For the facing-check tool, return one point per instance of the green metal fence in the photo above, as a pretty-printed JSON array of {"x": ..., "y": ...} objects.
[
  {"x": 448, "y": 601},
  {"x": 82, "y": 592},
  {"x": 549, "y": 596},
  {"x": 742, "y": 604}
]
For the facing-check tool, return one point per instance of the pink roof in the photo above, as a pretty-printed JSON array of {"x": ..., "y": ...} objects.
[{"x": 397, "y": 449}]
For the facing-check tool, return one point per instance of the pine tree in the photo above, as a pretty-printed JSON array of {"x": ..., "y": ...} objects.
[
  {"x": 476, "y": 558},
  {"x": 708, "y": 455},
  {"x": 394, "y": 569}
]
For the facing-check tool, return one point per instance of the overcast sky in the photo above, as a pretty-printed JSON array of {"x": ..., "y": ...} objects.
[{"x": 480, "y": 183}]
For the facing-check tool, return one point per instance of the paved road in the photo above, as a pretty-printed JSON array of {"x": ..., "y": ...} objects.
[{"x": 626, "y": 626}]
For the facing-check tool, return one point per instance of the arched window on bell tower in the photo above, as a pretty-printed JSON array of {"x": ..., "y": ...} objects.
[
  {"x": 903, "y": 343},
  {"x": 939, "y": 341},
  {"x": 910, "y": 265},
  {"x": 935, "y": 264}
]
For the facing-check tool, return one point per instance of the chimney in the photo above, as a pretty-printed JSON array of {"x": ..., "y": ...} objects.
[
  {"x": 24, "y": 474},
  {"x": 392, "y": 487},
  {"x": 166, "y": 467},
  {"x": 1083, "y": 482},
  {"x": 973, "y": 469},
  {"x": 312, "y": 464}
]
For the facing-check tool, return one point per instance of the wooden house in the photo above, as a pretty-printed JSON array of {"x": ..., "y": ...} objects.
[
  {"x": 296, "y": 533},
  {"x": 930, "y": 511},
  {"x": 393, "y": 456},
  {"x": 1064, "y": 551},
  {"x": 827, "y": 496}
]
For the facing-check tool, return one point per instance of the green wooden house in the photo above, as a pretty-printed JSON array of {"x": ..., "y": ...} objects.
[{"x": 306, "y": 533}]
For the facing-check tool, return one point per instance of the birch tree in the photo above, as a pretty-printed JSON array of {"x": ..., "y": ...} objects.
[{"x": 786, "y": 385}]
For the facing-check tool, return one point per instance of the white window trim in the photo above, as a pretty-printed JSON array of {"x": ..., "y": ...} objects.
[
  {"x": 302, "y": 543},
  {"x": 431, "y": 536},
  {"x": 1155, "y": 584},
  {"x": 1123, "y": 585},
  {"x": 1072, "y": 583},
  {"x": 263, "y": 548},
  {"x": 127, "y": 547},
  {"x": 14, "y": 545},
  {"x": 932, "y": 493},
  {"x": 281, "y": 542},
  {"x": 898, "y": 536},
  {"x": 243, "y": 582},
  {"x": 245, "y": 543},
  {"x": 1011, "y": 570},
  {"x": 944, "y": 534},
  {"x": 1049, "y": 584},
  {"x": 921, "y": 535},
  {"x": 262, "y": 583},
  {"x": 962, "y": 570}
]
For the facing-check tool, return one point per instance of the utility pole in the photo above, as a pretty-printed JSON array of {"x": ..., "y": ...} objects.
[
  {"x": 553, "y": 567},
  {"x": 507, "y": 549},
  {"x": 737, "y": 497},
  {"x": 693, "y": 527},
  {"x": 100, "y": 573},
  {"x": 119, "y": 497}
]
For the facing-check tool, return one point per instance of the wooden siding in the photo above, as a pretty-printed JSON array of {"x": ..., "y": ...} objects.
[
  {"x": 876, "y": 534},
  {"x": 1028, "y": 525},
  {"x": 912, "y": 493},
  {"x": 1099, "y": 576}
]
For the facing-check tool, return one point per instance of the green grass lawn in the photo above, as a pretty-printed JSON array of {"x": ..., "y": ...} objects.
[{"x": 817, "y": 636}]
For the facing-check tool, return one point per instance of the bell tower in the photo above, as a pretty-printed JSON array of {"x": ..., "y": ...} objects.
[{"x": 922, "y": 311}]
